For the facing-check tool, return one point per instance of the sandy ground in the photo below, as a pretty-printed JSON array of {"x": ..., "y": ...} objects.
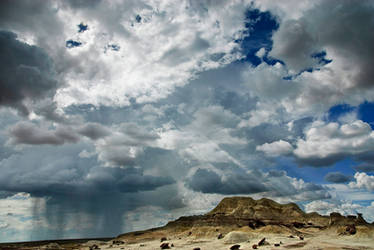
[{"x": 320, "y": 241}]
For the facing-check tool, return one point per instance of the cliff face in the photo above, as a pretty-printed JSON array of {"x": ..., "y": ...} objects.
[{"x": 245, "y": 211}]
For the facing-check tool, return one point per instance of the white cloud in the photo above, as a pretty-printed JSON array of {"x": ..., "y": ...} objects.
[
  {"x": 276, "y": 148},
  {"x": 342, "y": 207},
  {"x": 172, "y": 42},
  {"x": 329, "y": 142},
  {"x": 363, "y": 180}
]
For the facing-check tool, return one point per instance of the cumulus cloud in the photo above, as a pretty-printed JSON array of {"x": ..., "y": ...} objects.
[
  {"x": 325, "y": 207},
  {"x": 154, "y": 55},
  {"x": 94, "y": 131},
  {"x": 337, "y": 177},
  {"x": 365, "y": 167},
  {"x": 31, "y": 134},
  {"x": 296, "y": 39},
  {"x": 363, "y": 180},
  {"x": 274, "y": 184},
  {"x": 327, "y": 143},
  {"x": 276, "y": 148},
  {"x": 26, "y": 73},
  {"x": 208, "y": 181}
]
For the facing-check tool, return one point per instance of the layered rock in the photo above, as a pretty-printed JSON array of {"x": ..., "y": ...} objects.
[{"x": 245, "y": 211}]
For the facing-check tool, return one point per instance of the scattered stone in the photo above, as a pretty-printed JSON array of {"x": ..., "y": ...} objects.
[
  {"x": 276, "y": 245},
  {"x": 189, "y": 233},
  {"x": 217, "y": 229},
  {"x": 164, "y": 245},
  {"x": 142, "y": 245},
  {"x": 163, "y": 239},
  {"x": 220, "y": 236},
  {"x": 235, "y": 247},
  {"x": 351, "y": 229},
  {"x": 261, "y": 242},
  {"x": 301, "y": 237},
  {"x": 291, "y": 236},
  {"x": 118, "y": 242},
  {"x": 172, "y": 245},
  {"x": 196, "y": 248},
  {"x": 254, "y": 246},
  {"x": 94, "y": 246},
  {"x": 53, "y": 245}
]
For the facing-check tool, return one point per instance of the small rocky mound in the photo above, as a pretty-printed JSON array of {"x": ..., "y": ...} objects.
[{"x": 236, "y": 237}]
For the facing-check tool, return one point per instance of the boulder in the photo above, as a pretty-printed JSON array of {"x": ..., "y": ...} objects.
[
  {"x": 164, "y": 245},
  {"x": 235, "y": 247},
  {"x": 236, "y": 237},
  {"x": 262, "y": 242}
]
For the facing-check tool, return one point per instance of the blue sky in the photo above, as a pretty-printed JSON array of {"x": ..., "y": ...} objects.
[{"x": 121, "y": 116}]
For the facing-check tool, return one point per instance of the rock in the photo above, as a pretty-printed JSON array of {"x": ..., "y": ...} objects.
[
  {"x": 298, "y": 224},
  {"x": 254, "y": 246},
  {"x": 235, "y": 247},
  {"x": 164, "y": 245},
  {"x": 118, "y": 242},
  {"x": 351, "y": 229},
  {"x": 189, "y": 233},
  {"x": 291, "y": 236},
  {"x": 53, "y": 245},
  {"x": 172, "y": 245},
  {"x": 163, "y": 239},
  {"x": 196, "y": 248},
  {"x": 301, "y": 237},
  {"x": 94, "y": 246},
  {"x": 220, "y": 236},
  {"x": 236, "y": 237},
  {"x": 262, "y": 242},
  {"x": 276, "y": 245}
]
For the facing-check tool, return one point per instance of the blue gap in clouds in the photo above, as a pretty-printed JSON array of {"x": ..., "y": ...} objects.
[
  {"x": 366, "y": 113},
  {"x": 259, "y": 29},
  {"x": 321, "y": 56},
  {"x": 82, "y": 27},
  {"x": 316, "y": 174},
  {"x": 71, "y": 44},
  {"x": 338, "y": 110}
]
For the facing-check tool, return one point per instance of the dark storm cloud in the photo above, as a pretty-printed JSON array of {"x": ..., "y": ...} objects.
[
  {"x": 29, "y": 133},
  {"x": 344, "y": 26},
  {"x": 61, "y": 172},
  {"x": 366, "y": 167},
  {"x": 337, "y": 177},
  {"x": 26, "y": 72},
  {"x": 94, "y": 131},
  {"x": 207, "y": 181}
]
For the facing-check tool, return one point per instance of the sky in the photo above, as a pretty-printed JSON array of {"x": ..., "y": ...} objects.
[{"x": 118, "y": 116}]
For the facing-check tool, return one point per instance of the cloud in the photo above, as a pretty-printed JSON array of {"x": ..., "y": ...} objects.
[
  {"x": 273, "y": 184},
  {"x": 28, "y": 133},
  {"x": 94, "y": 131},
  {"x": 366, "y": 167},
  {"x": 296, "y": 39},
  {"x": 142, "y": 70},
  {"x": 327, "y": 143},
  {"x": 276, "y": 148},
  {"x": 363, "y": 181},
  {"x": 26, "y": 73},
  {"x": 325, "y": 208},
  {"x": 337, "y": 177},
  {"x": 209, "y": 182}
]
